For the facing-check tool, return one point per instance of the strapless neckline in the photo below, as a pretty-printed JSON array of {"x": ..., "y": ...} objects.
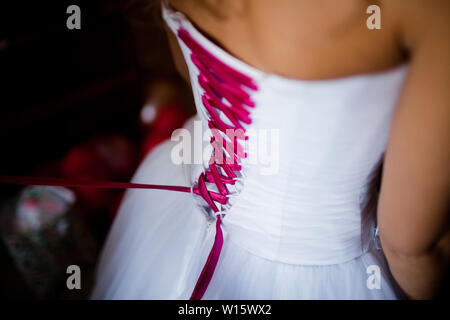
[
  {"x": 176, "y": 19},
  {"x": 294, "y": 233},
  {"x": 332, "y": 133}
]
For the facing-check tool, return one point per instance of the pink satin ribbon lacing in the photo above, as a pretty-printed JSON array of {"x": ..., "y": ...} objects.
[{"x": 223, "y": 91}]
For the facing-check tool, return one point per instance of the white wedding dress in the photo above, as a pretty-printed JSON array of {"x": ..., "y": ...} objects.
[{"x": 293, "y": 230}]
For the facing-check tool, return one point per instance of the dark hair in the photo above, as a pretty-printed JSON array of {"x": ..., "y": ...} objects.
[{"x": 143, "y": 13}]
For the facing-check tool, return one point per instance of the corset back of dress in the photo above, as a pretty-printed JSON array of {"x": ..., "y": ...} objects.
[{"x": 311, "y": 148}]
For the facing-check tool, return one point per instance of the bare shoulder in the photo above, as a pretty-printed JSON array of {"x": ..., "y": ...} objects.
[
  {"x": 420, "y": 21},
  {"x": 300, "y": 39}
]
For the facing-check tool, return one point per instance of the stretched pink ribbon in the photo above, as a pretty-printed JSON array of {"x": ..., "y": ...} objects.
[{"x": 219, "y": 81}]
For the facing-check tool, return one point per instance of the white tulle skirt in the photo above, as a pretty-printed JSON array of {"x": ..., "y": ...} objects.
[{"x": 160, "y": 240}]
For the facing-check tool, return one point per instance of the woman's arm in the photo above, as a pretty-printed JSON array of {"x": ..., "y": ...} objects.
[{"x": 415, "y": 193}]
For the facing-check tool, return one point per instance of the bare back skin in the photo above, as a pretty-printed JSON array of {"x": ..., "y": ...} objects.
[
  {"x": 301, "y": 39},
  {"x": 325, "y": 39}
]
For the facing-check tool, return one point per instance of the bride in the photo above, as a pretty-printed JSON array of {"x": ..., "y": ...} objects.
[{"x": 357, "y": 206}]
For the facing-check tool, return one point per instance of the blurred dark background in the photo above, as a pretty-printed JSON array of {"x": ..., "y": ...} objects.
[
  {"x": 68, "y": 94},
  {"x": 72, "y": 103},
  {"x": 60, "y": 86}
]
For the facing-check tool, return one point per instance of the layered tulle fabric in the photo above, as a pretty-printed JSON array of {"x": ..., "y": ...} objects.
[
  {"x": 293, "y": 230},
  {"x": 159, "y": 242}
]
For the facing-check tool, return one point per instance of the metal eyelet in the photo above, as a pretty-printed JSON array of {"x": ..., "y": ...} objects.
[{"x": 376, "y": 239}]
